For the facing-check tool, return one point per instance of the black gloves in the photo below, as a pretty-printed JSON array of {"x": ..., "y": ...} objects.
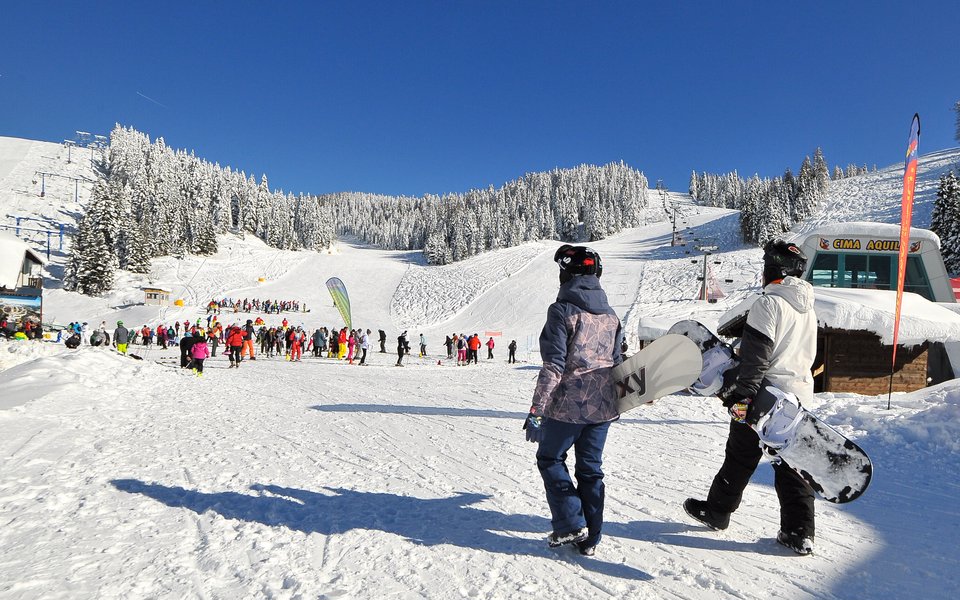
[
  {"x": 533, "y": 425},
  {"x": 735, "y": 403}
]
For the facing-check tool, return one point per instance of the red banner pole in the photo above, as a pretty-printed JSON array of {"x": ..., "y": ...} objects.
[{"x": 906, "y": 216}]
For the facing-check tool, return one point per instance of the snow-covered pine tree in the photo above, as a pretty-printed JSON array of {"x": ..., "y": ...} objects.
[
  {"x": 750, "y": 207},
  {"x": 945, "y": 220},
  {"x": 806, "y": 191},
  {"x": 822, "y": 174},
  {"x": 93, "y": 259},
  {"x": 694, "y": 188},
  {"x": 138, "y": 258}
]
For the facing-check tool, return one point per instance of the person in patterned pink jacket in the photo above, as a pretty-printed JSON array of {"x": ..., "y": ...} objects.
[{"x": 575, "y": 401}]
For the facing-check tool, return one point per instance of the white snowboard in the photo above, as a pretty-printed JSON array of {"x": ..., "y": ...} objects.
[{"x": 668, "y": 365}]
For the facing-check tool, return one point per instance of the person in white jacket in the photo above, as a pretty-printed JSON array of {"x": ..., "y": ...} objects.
[
  {"x": 364, "y": 346},
  {"x": 778, "y": 347}
]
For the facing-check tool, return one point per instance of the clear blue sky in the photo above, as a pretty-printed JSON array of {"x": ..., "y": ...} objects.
[{"x": 414, "y": 97}]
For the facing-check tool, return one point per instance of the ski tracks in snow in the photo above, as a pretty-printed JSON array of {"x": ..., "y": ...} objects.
[{"x": 429, "y": 296}]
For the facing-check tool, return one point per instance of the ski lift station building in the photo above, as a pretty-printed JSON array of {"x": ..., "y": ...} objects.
[
  {"x": 865, "y": 255},
  {"x": 156, "y": 296}
]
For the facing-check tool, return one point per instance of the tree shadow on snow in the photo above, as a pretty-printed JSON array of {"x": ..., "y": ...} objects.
[
  {"x": 423, "y": 521},
  {"x": 445, "y": 411}
]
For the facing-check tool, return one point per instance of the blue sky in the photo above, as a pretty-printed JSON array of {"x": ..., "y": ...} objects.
[{"x": 432, "y": 97}]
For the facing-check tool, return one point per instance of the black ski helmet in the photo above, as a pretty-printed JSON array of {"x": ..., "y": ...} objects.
[
  {"x": 578, "y": 260},
  {"x": 781, "y": 259}
]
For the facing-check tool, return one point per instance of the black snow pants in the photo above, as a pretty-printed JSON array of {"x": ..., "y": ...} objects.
[{"x": 741, "y": 457}]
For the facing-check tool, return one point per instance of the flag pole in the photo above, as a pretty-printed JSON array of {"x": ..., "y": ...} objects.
[{"x": 906, "y": 215}]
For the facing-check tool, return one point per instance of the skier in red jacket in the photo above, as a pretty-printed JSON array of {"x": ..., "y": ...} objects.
[{"x": 234, "y": 344}]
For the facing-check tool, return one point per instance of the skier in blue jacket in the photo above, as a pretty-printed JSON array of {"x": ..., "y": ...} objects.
[{"x": 574, "y": 400}]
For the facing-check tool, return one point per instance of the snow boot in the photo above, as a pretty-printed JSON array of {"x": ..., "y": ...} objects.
[
  {"x": 796, "y": 541},
  {"x": 586, "y": 549},
  {"x": 699, "y": 510},
  {"x": 555, "y": 540}
]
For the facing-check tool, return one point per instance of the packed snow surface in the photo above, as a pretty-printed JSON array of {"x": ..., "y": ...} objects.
[{"x": 124, "y": 478}]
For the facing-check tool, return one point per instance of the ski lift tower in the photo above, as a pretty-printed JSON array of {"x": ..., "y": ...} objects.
[
  {"x": 705, "y": 282},
  {"x": 69, "y": 144},
  {"x": 671, "y": 211},
  {"x": 99, "y": 144}
]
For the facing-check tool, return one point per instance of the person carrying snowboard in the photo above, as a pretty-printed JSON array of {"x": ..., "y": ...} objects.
[
  {"x": 574, "y": 401},
  {"x": 778, "y": 348}
]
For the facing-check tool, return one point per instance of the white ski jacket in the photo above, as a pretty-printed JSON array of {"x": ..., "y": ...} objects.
[{"x": 780, "y": 340}]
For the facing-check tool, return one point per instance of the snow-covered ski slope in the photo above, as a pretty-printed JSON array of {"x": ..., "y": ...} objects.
[
  {"x": 133, "y": 479},
  {"x": 877, "y": 196}
]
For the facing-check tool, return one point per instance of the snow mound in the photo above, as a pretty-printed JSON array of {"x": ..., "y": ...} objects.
[
  {"x": 927, "y": 420},
  {"x": 16, "y": 352},
  {"x": 32, "y": 371}
]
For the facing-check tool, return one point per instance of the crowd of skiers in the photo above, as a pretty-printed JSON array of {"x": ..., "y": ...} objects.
[
  {"x": 246, "y": 305},
  {"x": 463, "y": 347},
  {"x": 284, "y": 340}
]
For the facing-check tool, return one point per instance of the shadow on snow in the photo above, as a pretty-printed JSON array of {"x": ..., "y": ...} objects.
[{"x": 423, "y": 521}]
